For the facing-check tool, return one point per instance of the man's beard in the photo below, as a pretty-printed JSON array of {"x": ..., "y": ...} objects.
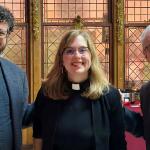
[{"x": 2, "y": 47}]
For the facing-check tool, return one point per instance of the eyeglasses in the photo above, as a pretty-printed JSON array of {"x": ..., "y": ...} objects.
[
  {"x": 72, "y": 50},
  {"x": 3, "y": 34}
]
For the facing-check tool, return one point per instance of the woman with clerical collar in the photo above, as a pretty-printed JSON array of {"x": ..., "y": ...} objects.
[{"x": 76, "y": 107}]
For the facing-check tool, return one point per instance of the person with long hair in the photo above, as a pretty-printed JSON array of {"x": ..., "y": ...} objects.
[{"x": 76, "y": 107}]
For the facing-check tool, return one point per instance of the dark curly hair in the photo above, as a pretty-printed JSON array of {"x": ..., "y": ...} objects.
[{"x": 7, "y": 16}]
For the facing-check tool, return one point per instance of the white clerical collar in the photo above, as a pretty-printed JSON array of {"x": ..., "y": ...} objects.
[{"x": 75, "y": 86}]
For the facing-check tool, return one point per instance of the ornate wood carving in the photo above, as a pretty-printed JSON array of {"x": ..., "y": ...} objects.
[
  {"x": 78, "y": 23},
  {"x": 36, "y": 20},
  {"x": 120, "y": 20}
]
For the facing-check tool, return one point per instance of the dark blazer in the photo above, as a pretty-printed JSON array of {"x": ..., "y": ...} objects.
[
  {"x": 145, "y": 106},
  {"x": 21, "y": 112},
  {"x": 108, "y": 124},
  {"x": 133, "y": 122}
]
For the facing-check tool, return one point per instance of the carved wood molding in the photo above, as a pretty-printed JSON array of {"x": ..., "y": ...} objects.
[
  {"x": 36, "y": 19},
  {"x": 120, "y": 20},
  {"x": 78, "y": 23}
]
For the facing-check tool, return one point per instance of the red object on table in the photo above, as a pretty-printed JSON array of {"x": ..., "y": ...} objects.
[{"x": 134, "y": 143}]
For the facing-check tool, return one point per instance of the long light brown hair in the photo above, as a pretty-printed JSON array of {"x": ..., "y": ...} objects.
[{"x": 55, "y": 83}]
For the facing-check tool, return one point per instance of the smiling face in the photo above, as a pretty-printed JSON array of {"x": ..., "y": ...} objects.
[{"x": 77, "y": 60}]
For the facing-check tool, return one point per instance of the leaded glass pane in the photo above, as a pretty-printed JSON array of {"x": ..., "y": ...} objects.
[
  {"x": 16, "y": 47},
  {"x": 92, "y": 10},
  {"x": 137, "y": 69},
  {"x": 137, "y": 11}
]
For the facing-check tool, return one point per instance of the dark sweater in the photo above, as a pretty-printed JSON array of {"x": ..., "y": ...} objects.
[
  {"x": 74, "y": 128},
  {"x": 61, "y": 123}
]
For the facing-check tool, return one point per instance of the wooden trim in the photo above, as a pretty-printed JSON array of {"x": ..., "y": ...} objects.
[
  {"x": 36, "y": 47},
  {"x": 35, "y": 59},
  {"x": 118, "y": 34},
  {"x": 36, "y": 19}
]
